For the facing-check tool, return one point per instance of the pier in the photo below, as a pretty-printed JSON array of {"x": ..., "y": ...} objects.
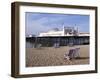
[{"x": 62, "y": 40}]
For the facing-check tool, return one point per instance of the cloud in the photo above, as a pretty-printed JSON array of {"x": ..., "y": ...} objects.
[
  {"x": 41, "y": 22},
  {"x": 40, "y": 25},
  {"x": 34, "y": 27}
]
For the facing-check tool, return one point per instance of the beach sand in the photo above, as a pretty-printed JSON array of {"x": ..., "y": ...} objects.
[{"x": 50, "y": 56}]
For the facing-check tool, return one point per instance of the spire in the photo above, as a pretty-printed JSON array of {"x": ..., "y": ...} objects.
[
  {"x": 63, "y": 26},
  {"x": 77, "y": 29},
  {"x": 63, "y": 29}
]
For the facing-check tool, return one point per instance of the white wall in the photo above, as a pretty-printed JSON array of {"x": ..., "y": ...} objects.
[{"x": 5, "y": 40}]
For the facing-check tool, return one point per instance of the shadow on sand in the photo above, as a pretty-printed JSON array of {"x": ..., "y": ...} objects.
[{"x": 82, "y": 58}]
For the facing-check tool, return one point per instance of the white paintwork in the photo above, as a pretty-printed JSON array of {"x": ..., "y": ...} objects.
[{"x": 61, "y": 33}]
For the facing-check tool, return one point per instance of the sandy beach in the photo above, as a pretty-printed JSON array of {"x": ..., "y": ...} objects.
[{"x": 50, "y": 56}]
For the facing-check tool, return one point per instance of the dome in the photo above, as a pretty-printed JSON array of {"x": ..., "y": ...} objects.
[{"x": 54, "y": 29}]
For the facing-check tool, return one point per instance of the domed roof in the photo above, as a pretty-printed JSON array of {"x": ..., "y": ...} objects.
[{"x": 54, "y": 29}]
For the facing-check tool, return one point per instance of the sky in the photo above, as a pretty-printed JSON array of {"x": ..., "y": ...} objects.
[{"x": 43, "y": 22}]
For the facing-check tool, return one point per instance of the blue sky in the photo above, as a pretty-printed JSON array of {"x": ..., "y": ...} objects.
[{"x": 42, "y": 22}]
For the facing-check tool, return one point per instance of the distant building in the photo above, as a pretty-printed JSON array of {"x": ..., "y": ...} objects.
[
  {"x": 67, "y": 31},
  {"x": 28, "y": 36},
  {"x": 64, "y": 37}
]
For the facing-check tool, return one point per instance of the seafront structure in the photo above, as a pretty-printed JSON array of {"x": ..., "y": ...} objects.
[
  {"x": 67, "y": 31},
  {"x": 64, "y": 37}
]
